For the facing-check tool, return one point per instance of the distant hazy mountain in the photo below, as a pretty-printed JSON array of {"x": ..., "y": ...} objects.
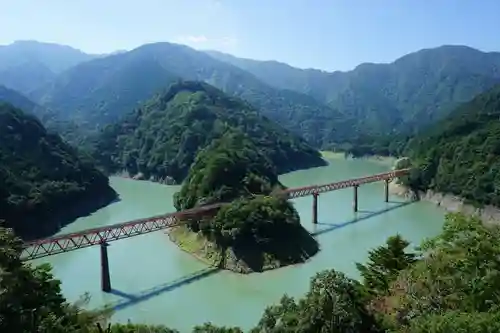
[
  {"x": 410, "y": 92},
  {"x": 355, "y": 107},
  {"x": 100, "y": 91},
  {"x": 26, "y": 65},
  {"x": 68, "y": 129},
  {"x": 18, "y": 100}
]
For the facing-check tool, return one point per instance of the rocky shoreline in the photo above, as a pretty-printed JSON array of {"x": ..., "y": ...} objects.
[
  {"x": 451, "y": 203},
  {"x": 56, "y": 217},
  {"x": 207, "y": 252},
  {"x": 140, "y": 176}
]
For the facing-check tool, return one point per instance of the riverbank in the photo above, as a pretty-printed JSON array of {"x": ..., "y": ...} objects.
[
  {"x": 60, "y": 214},
  {"x": 244, "y": 260},
  {"x": 157, "y": 283},
  {"x": 384, "y": 160},
  {"x": 140, "y": 176},
  {"x": 489, "y": 215}
]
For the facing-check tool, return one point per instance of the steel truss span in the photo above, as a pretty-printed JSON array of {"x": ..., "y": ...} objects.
[
  {"x": 309, "y": 190},
  {"x": 90, "y": 237}
]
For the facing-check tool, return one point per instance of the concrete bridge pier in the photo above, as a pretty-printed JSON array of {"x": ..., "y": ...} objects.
[
  {"x": 355, "y": 202},
  {"x": 105, "y": 277},
  {"x": 387, "y": 181},
  {"x": 315, "y": 208}
]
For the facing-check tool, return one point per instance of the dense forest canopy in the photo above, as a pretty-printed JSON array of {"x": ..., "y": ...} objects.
[
  {"x": 231, "y": 167},
  {"x": 461, "y": 154},
  {"x": 42, "y": 177},
  {"x": 258, "y": 227},
  {"x": 162, "y": 138}
]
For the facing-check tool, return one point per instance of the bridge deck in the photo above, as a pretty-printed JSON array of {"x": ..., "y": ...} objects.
[{"x": 90, "y": 237}]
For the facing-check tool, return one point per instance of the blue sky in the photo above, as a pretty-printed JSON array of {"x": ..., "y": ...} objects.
[{"x": 325, "y": 34}]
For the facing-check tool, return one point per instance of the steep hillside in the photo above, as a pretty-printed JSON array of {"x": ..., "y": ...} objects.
[
  {"x": 100, "y": 91},
  {"x": 44, "y": 183},
  {"x": 162, "y": 137},
  {"x": 68, "y": 129},
  {"x": 411, "y": 92},
  {"x": 461, "y": 154},
  {"x": 26, "y": 65},
  {"x": 255, "y": 231},
  {"x": 18, "y": 100}
]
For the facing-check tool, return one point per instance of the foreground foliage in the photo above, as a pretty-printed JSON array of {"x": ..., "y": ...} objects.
[
  {"x": 334, "y": 303},
  {"x": 454, "y": 288},
  {"x": 384, "y": 265},
  {"x": 42, "y": 178},
  {"x": 31, "y": 299}
]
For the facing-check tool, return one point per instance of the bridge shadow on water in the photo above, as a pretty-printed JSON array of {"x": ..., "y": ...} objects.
[
  {"x": 129, "y": 299},
  {"x": 133, "y": 299},
  {"x": 369, "y": 214}
]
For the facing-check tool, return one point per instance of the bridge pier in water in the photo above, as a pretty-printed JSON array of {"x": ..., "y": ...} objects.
[
  {"x": 105, "y": 277},
  {"x": 315, "y": 208},
  {"x": 355, "y": 201},
  {"x": 386, "y": 193},
  {"x": 70, "y": 242}
]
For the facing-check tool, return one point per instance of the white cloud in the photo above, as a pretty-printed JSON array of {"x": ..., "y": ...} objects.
[
  {"x": 227, "y": 43},
  {"x": 193, "y": 39}
]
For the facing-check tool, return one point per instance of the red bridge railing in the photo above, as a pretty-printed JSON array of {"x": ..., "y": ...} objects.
[
  {"x": 309, "y": 190},
  {"x": 90, "y": 237}
]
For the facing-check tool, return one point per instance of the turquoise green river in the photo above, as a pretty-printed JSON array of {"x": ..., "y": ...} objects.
[{"x": 156, "y": 283}]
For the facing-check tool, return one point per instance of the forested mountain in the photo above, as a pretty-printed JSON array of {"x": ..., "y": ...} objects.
[
  {"x": 43, "y": 182},
  {"x": 330, "y": 110},
  {"x": 26, "y": 65},
  {"x": 461, "y": 154},
  {"x": 68, "y": 129},
  {"x": 162, "y": 137},
  {"x": 98, "y": 92},
  {"x": 411, "y": 92},
  {"x": 19, "y": 100}
]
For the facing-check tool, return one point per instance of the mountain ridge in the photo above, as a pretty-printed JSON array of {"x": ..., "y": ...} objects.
[
  {"x": 468, "y": 71},
  {"x": 105, "y": 92},
  {"x": 44, "y": 182},
  {"x": 360, "y": 108},
  {"x": 160, "y": 139}
]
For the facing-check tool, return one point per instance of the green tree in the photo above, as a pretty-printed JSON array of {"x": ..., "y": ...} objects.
[
  {"x": 384, "y": 264},
  {"x": 334, "y": 303},
  {"x": 31, "y": 299},
  {"x": 459, "y": 271},
  {"x": 41, "y": 176},
  {"x": 457, "y": 322}
]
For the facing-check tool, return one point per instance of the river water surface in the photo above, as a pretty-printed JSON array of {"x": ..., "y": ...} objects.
[{"x": 154, "y": 282}]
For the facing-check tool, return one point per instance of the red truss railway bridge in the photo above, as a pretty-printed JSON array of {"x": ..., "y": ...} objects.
[{"x": 103, "y": 235}]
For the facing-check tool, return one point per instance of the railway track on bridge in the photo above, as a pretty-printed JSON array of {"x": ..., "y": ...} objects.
[{"x": 103, "y": 235}]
